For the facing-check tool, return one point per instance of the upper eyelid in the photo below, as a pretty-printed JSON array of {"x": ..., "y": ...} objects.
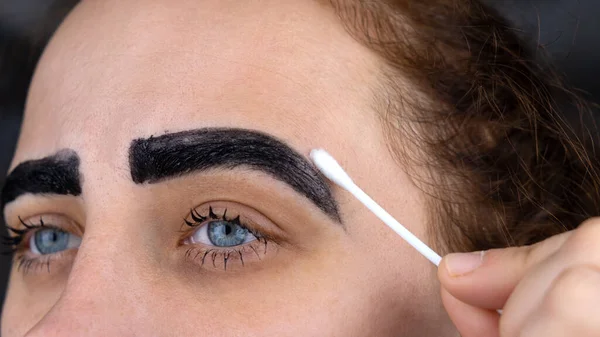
[
  {"x": 196, "y": 216},
  {"x": 52, "y": 208},
  {"x": 201, "y": 219},
  {"x": 263, "y": 227},
  {"x": 50, "y": 221},
  {"x": 250, "y": 217},
  {"x": 26, "y": 227}
]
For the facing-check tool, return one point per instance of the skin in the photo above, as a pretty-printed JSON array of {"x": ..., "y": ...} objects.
[{"x": 121, "y": 70}]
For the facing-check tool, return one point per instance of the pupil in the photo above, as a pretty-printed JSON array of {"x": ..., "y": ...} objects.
[{"x": 228, "y": 230}]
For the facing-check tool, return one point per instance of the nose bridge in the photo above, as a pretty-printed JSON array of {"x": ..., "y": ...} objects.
[{"x": 103, "y": 294}]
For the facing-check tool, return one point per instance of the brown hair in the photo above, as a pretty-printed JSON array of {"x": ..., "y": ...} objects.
[{"x": 490, "y": 134}]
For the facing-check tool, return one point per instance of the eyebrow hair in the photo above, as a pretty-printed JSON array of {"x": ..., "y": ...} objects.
[
  {"x": 56, "y": 174},
  {"x": 158, "y": 158}
]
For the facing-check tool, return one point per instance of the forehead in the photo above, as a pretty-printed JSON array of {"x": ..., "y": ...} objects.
[{"x": 119, "y": 70}]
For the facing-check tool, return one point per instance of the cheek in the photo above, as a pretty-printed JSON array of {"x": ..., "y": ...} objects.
[
  {"x": 24, "y": 308},
  {"x": 401, "y": 285},
  {"x": 316, "y": 293},
  {"x": 332, "y": 290}
]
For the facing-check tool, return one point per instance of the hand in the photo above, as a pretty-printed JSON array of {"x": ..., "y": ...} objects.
[{"x": 548, "y": 289}]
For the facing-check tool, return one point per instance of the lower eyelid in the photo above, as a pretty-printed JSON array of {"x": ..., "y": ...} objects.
[
  {"x": 230, "y": 258},
  {"x": 36, "y": 265},
  {"x": 32, "y": 264}
]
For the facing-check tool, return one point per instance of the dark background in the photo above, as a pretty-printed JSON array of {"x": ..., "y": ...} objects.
[{"x": 566, "y": 30}]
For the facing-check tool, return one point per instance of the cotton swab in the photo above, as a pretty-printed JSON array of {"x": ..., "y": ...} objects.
[{"x": 333, "y": 171}]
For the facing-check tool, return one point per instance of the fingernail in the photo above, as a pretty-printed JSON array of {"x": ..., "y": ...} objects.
[{"x": 459, "y": 264}]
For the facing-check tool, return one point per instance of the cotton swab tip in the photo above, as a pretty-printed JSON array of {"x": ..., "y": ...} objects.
[{"x": 330, "y": 167}]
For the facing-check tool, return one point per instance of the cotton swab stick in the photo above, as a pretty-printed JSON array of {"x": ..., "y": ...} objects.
[{"x": 334, "y": 172}]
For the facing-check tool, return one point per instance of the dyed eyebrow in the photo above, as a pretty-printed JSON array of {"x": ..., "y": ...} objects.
[
  {"x": 155, "y": 159},
  {"x": 56, "y": 174}
]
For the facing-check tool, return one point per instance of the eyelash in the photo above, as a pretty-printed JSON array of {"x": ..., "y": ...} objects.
[
  {"x": 19, "y": 243},
  {"x": 202, "y": 255}
]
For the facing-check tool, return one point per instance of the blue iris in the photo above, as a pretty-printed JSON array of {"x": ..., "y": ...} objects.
[
  {"x": 226, "y": 234},
  {"x": 51, "y": 240}
]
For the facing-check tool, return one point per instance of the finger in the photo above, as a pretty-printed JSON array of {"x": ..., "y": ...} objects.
[
  {"x": 486, "y": 280},
  {"x": 569, "y": 307},
  {"x": 468, "y": 320},
  {"x": 581, "y": 248}
]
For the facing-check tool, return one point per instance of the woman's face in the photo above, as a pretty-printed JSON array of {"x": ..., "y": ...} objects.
[{"x": 151, "y": 126}]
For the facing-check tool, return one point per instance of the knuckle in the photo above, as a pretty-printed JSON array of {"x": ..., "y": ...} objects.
[
  {"x": 576, "y": 287},
  {"x": 591, "y": 222},
  {"x": 586, "y": 237},
  {"x": 536, "y": 253},
  {"x": 590, "y": 227}
]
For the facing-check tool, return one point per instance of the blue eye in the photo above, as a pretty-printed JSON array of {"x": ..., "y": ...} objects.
[
  {"x": 226, "y": 234},
  {"x": 222, "y": 233},
  {"x": 52, "y": 240}
]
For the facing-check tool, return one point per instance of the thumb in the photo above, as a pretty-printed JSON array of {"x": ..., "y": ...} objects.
[{"x": 487, "y": 279}]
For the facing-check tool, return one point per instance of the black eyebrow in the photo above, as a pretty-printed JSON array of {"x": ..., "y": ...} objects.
[
  {"x": 158, "y": 158},
  {"x": 56, "y": 174}
]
